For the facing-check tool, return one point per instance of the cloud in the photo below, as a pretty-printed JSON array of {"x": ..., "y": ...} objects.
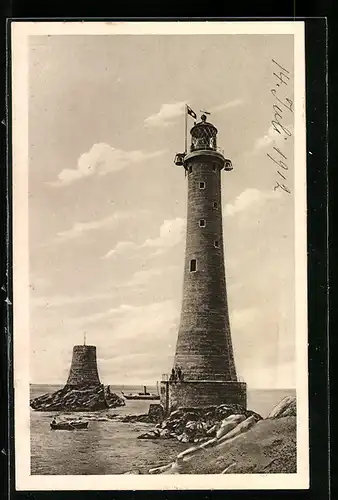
[
  {"x": 166, "y": 115},
  {"x": 138, "y": 336},
  {"x": 66, "y": 300},
  {"x": 148, "y": 321},
  {"x": 138, "y": 278},
  {"x": 120, "y": 248},
  {"x": 102, "y": 159},
  {"x": 243, "y": 318},
  {"x": 271, "y": 137},
  {"x": 226, "y": 105},
  {"x": 80, "y": 228},
  {"x": 139, "y": 333},
  {"x": 171, "y": 233},
  {"x": 124, "y": 314},
  {"x": 247, "y": 198},
  {"x": 144, "y": 276},
  {"x": 169, "y": 112}
]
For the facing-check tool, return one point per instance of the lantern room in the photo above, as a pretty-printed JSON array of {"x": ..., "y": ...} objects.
[
  {"x": 203, "y": 135},
  {"x": 203, "y": 145}
]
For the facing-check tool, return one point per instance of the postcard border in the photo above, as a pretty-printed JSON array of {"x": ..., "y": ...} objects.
[{"x": 24, "y": 316}]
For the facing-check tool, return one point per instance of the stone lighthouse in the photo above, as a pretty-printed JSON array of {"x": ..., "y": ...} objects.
[{"x": 204, "y": 371}]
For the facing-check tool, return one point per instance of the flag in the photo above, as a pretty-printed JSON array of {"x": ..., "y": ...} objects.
[{"x": 191, "y": 112}]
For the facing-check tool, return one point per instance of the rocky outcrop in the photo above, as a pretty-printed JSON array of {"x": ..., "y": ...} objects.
[
  {"x": 153, "y": 434},
  {"x": 156, "y": 412},
  {"x": 268, "y": 446},
  {"x": 241, "y": 442},
  {"x": 155, "y": 415},
  {"x": 200, "y": 424},
  {"x": 285, "y": 408},
  {"x": 142, "y": 417},
  {"x": 112, "y": 399},
  {"x": 71, "y": 398}
]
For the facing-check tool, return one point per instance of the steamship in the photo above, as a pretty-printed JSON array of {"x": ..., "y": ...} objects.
[{"x": 141, "y": 395}]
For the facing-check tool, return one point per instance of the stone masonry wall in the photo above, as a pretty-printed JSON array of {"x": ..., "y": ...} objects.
[
  {"x": 204, "y": 348},
  {"x": 83, "y": 370},
  {"x": 200, "y": 394}
]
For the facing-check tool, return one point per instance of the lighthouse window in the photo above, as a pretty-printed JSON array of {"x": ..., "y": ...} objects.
[
  {"x": 214, "y": 167},
  {"x": 202, "y": 222},
  {"x": 190, "y": 169},
  {"x": 216, "y": 244},
  {"x": 215, "y": 204},
  {"x": 193, "y": 265},
  {"x": 202, "y": 185}
]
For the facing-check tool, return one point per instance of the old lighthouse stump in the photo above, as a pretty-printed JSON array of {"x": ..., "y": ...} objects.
[{"x": 83, "y": 390}]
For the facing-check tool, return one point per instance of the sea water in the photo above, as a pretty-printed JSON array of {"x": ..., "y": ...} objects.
[{"x": 111, "y": 446}]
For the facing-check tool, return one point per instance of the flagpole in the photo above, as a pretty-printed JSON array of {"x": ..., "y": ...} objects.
[{"x": 185, "y": 128}]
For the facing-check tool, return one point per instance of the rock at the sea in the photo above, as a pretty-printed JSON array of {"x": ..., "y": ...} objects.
[
  {"x": 209, "y": 443},
  {"x": 229, "y": 469},
  {"x": 212, "y": 431},
  {"x": 195, "y": 425},
  {"x": 200, "y": 439},
  {"x": 155, "y": 413},
  {"x": 191, "y": 424},
  {"x": 71, "y": 398},
  {"x": 285, "y": 408},
  {"x": 165, "y": 433},
  {"x": 155, "y": 434},
  {"x": 252, "y": 445},
  {"x": 184, "y": 438},
  {"x": 113, "y": 400},
  {"x": 223, "y": 411},
  {"x": 200, "y": 423},
  {"x": 184, "y": 455},
  {"x": 160, "y": 470},
  {"x": 239, "y": 429},
  {"x": 174, "y": 469},
  {"x": 143, "y": 417},
  {"x": 228, "y": 424}
]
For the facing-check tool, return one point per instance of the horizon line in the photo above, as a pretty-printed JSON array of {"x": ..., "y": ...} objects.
[{"x": 155, "y": 383}]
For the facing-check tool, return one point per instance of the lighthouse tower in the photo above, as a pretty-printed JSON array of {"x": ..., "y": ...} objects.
[{"x": 204, "y": 370}]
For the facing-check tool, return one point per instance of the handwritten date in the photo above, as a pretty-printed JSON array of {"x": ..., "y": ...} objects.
[{"x": 282, "y": 108}]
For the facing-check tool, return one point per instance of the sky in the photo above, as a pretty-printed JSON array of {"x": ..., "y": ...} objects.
[{"x": 107, "y": 205}]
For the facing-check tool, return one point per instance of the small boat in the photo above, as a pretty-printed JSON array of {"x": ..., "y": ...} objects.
[
  {"x": 68, "y": 426},
  {"x": 142, "y": 395}
]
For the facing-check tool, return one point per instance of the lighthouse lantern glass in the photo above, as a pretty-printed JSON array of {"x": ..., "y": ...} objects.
[{"x": 203, "y": 136}]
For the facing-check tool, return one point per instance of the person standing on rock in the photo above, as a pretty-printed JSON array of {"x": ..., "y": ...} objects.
[{"x": 179, "y": 373}]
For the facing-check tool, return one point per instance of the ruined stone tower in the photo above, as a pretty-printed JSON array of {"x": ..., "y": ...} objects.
[
  {"x": 204, "y": 353},
  {"x": 83, "y": 371}
]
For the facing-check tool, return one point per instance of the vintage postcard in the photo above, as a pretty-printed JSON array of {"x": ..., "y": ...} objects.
[{"x": 159, "y": 255}]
